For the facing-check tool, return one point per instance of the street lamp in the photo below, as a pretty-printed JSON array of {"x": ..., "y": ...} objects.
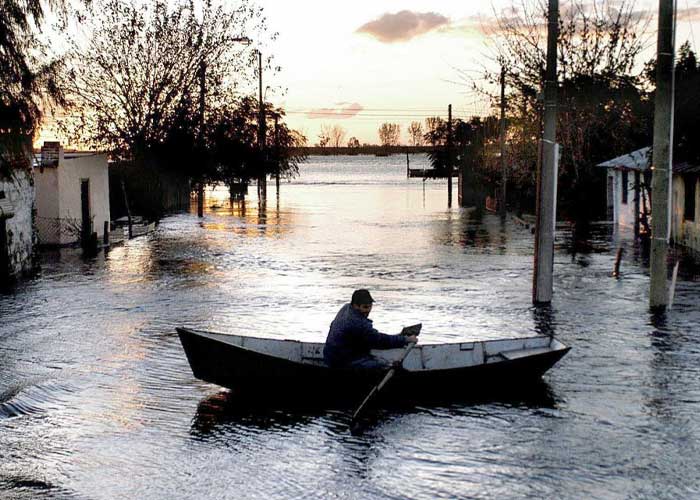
[{"x": 202, "y": 106}]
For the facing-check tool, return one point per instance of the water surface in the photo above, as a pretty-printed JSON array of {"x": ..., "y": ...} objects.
[{"x": 97, "y": 400}]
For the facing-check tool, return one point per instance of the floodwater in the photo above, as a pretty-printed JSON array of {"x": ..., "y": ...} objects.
[{"x": 97, "y": 400}]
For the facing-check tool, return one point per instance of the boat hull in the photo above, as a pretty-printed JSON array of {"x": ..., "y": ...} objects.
[{"x": 255, "y": 373}]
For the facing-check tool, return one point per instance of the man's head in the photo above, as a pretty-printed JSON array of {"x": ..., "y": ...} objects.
[{"x": 362, "y": 301}]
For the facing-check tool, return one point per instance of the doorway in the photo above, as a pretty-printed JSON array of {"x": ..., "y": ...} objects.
[
  {"x": 86, "y": 219},
  {"x": 611, "y": 198}
]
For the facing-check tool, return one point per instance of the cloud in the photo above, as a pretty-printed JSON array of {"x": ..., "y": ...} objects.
[
  {"x": 343, "y": 111},
  {"x": 403, "y": 25}
]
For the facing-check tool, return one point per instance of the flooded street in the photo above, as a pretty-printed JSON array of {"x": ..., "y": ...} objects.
[{"x": 97, "y": 400}]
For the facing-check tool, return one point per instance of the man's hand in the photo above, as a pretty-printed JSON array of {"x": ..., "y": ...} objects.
[{"x": 412, "y": 339}]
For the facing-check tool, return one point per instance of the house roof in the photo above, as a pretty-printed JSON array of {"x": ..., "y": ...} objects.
[
  {"x": 636, "y": 160},
  {"x": 641, "y": 159},
  {"x": 686, "y": 168}
]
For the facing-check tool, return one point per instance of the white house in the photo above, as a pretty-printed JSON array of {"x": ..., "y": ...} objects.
[
  {"x": 685, "y": 222},
  {"x": 72, "y": 195},
  {"x": 629, "y": 200}
]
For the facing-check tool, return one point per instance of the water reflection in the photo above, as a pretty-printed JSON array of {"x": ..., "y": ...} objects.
[
  {"x": 226, "y": 409},
  {"x": 673, "y": 366},
  {"x": 251, "y": 218},
  {"x": 544, "y": 319}
]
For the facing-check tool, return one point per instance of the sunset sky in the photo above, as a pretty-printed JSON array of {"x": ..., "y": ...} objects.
[
  {"x": 367, "y": 62},
  {"x": 359, "y": 64},
  {"x": 362, "y": 63}
]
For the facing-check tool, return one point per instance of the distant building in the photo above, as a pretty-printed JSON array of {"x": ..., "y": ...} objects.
[
  {"x": 16, "y": 231},
  {"x": 72, "y": 195},
  {"x": 629, "y": 196}
]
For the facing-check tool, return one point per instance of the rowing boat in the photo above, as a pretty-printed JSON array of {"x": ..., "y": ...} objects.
[{"x": 264, "y": 365}]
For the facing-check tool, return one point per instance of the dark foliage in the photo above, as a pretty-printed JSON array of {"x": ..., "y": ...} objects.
[{"x": 28, "y": 79}]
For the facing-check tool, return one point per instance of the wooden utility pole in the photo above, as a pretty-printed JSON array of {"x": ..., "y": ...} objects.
[
  {"x": 547, "y": 175},
  {"x": 262, "y": 178},
  {"x": 662, "y": 159},
  {"x": 277, "y": 156},
  {"x": 449, "y": 156},
  {"x": 504, "y": 174},
  {"x": 202, "y": 104}
]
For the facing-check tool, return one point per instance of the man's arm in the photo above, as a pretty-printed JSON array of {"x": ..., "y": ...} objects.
[{"x": 378, "y": 340}]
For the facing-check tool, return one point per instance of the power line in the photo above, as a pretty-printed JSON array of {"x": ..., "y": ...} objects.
[
  {"x": 362, "y": 110},
  {"x": 690, "y": 22},
  {"x": 367, "y": 115}
]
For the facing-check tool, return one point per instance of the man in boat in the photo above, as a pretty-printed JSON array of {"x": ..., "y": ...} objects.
[{"x": 351, "y": 336}]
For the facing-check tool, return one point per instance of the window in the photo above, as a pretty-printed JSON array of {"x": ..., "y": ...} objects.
[
  {"x": 625, "y": 186},
  {"x": 690, "y": 182}
]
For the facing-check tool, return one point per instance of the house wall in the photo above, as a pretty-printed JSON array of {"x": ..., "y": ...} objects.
[
  {"x": 623, "y": 214},
  {"x": 683, "y": 232},
  {"x": 47, "y": 220},
  {"x": 19, "y": 228},
  {"x": 58, "y": 202},
  {"x": 70, "y": 173}
]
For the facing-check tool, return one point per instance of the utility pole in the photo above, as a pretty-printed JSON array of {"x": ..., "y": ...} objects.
[
  {"x": 202, "y": 104},
  {"x": 547, "y": 175},
  {"x": 277, "y": 156},
  {"x": 449, "y": 156},
  {"x": 262, "y": 178},
  {"x": 504, "y": 177},
  {"x": 662, "y": 159}
]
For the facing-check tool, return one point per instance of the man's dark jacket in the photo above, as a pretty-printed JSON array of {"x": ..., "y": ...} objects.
[{"x": 351, "y": 337}]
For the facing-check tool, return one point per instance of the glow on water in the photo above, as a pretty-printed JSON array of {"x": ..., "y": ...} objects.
[{"x": 97, "y": 399}]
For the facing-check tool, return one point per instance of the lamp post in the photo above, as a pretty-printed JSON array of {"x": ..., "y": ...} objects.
[
  {"x": 202, "y": 107},
  {"x": 262, "y": 180}
]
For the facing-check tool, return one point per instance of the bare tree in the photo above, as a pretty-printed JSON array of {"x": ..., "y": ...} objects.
[
  {"x": 389, "y": 134},
  {"x": 415, "y": 133},
  {"x": 324, "y": 136},
  {"x": 337, "y": 136}
]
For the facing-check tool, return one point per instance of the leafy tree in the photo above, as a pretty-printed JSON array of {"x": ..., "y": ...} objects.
[
  {"x": 354, "y": 142},
  {"x": 285, "y": 145},
  {"x": 602, "y": 109},
  {"x": 232, "y": 144},
  {"x": 28, "y": 79},
  {"x": 435, "y": 130},
  {"x": 686, "y": 135},
  {"x": 687, "y": 106},
  {"x": 137, "y": 76},
  {"x": 470, "y": 140}
]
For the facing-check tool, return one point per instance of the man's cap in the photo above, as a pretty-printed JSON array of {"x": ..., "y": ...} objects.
[{"x": 361, "y": 296}]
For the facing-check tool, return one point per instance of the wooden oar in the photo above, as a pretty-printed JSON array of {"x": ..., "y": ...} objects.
[{"x": 379, "y": 386}]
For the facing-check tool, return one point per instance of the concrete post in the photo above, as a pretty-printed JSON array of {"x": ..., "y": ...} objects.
[
  {"x": 547, "y": 180},
  {"x": 662, "y": 159},
  {"x": 449, "y": 156}
]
